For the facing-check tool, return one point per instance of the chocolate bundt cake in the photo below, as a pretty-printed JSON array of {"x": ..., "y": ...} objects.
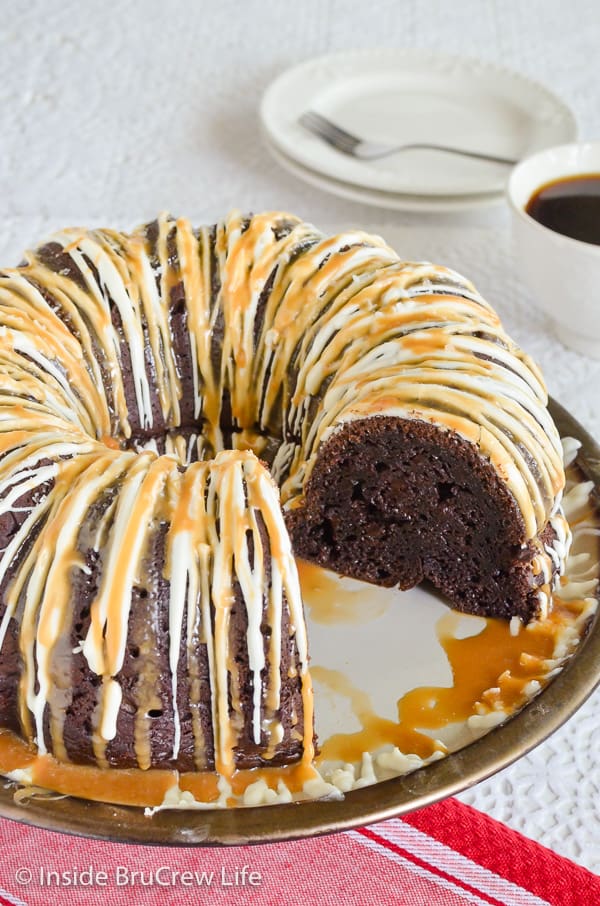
[{"x": 149, "y": 601}]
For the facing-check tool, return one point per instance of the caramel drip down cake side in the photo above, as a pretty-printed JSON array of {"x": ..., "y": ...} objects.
[
  {"x": 126, "y": 357},
  {"x": 223, "y": 524}
]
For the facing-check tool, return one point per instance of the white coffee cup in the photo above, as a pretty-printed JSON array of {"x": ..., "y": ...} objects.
[{"x": 562, "y": 273}]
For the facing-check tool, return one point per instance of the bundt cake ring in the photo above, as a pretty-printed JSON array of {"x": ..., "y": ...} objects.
[{"x": 150, "y": 609}]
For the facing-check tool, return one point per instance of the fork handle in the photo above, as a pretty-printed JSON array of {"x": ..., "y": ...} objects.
[{"x": 478, "y": 155}]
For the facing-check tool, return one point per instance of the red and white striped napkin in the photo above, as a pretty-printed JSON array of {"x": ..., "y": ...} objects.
[{"x": 445, "y": 855}]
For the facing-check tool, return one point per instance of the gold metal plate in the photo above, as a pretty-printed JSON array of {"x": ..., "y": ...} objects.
[{"x": 264, "y": 824}]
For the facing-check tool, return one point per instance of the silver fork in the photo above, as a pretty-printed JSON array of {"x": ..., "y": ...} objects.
[{"x": 357, "y": 147}]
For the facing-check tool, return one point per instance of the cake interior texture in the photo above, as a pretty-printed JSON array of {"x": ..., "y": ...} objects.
[
  {"x": 394, "y": 502},
  {"x": 183, "y": 411}
]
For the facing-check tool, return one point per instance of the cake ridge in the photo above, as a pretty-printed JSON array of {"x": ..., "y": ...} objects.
[{"x": 127, "y": 358}]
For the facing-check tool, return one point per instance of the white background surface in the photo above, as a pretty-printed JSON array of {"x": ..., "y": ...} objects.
[{"x": 112, "y": 112}]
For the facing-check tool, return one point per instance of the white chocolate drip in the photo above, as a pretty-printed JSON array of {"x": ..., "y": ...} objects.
[{"x": 125, "y": 358}]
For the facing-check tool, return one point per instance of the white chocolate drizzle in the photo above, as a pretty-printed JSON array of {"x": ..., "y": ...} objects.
[{"x": 285, "y": 336}]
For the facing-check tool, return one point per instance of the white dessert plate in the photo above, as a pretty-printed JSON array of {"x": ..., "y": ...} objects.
[
  {"x": 395, "y": 96},
  {"x": 396, "y": 201}
]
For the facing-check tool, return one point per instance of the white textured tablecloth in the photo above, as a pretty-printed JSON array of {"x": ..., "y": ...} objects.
[{"x": 112, "y": 112}]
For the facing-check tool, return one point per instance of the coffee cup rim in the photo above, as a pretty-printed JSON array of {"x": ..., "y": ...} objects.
[{"x": 540, "y": 158}]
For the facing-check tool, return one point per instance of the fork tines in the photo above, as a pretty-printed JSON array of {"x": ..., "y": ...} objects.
[{"x": 327, "y": 130}]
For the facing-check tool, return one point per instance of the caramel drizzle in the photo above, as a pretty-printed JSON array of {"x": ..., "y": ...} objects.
[
  {"x": 211, "y": 507},
  {"x": 130, "y": 786},
  {"x": 208, "y": 553},
  {"x": 346, "y": 327},
  {"x": 346, "y": 330}
]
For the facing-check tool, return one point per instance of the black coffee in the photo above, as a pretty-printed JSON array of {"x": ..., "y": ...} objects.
[{"x": 570, "y": 206}]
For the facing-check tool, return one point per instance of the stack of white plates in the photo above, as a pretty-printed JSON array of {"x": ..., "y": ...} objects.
[{"x": 396, "y": 96}]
